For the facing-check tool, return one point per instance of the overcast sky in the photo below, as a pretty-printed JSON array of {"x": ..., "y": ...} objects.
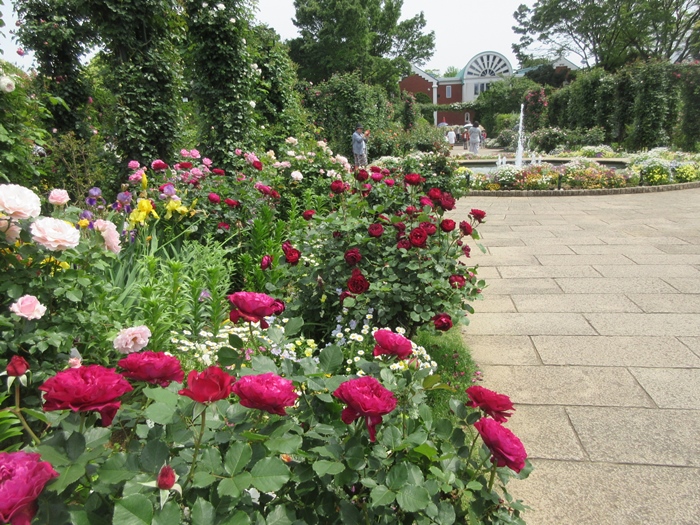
[{"x": 462, "y": 28}]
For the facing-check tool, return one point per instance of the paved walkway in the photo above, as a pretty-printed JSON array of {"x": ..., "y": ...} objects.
[{"x": 591, "y": 323}]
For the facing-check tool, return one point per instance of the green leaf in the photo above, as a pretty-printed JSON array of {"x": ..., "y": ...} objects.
[
  {"x": 114, "y": 470},
  {"x": 279, "y": 516},
  {"x": 412, "y": 498},
  {"x": 397, "y": 477},
  {"x": 75, "y": 445},
  {"x": 293, "y": 326},
  {"x": 458, "y": 408},
  {"x": 74, "y": 295},
  {"x": 228, "y": 487},
  {"x": 426, "y": 415},
  {"x": 355, "y": 458},
  {"x": 262, "y": 364},
  {"x": 431, "y": 381},
  {"x": 169, "y": 515},
  {"x": 203, "y": 512},
  {"x": 426, "y": 450},
  {"x": 391, "y": 437},
  {"x": 382, "y": 496},
  {"x": 14, "y": 291},
  {"x": 202, "y": 479},
  {"x": 160, "y": 413},
  {"x": 239, "y": 518},
  {"x": 235, "y": 341},
  {"x": 331, "y": 358},
  {"x": 349, "y": 513},
  {"x": 270, "y": 474},
  {"x": 237, "y": 457},
  {"x": 154, "y": 455},
  {"x": 135, "y": 509},
  {"x": 323, "y": 467},
  {"x": 162, "y": 395},
  {"x": 349, "y": 302},
  {"x": 287, "y": 444},
  {"x": 228, "y": 356},
  {"x": 69, "y": 475}
]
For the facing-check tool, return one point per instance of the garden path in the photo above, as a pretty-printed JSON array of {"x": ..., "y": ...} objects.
[{"x": 591, "y": 324}]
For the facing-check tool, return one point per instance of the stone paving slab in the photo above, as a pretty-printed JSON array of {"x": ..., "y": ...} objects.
[
  {"x": 645, "y": 324},
  {"x": 527, "y": 272},
  {"x": 692, "y": 249},
  {"x": 567, "y": 385},
  {"x": 691, "y": 342},
  {"x": 488, "y": 272},
  {"x": 615, "y": 351},
  {"x": 530, "y": 324},
  {"x": 546, "y": 432},
  {"x": 501, "y": 349},
  {"x": 654, "y": 241},
  {"x": 510, "y": 260},
  {"x": 522, "y": 286},
  {"x": 671, "y": 387},
  {"x": 648, "y": 270},
  {"x": 566, "y": 241},
  {"x": 555, "y": 249},
  {"x": 583, "y": 260},
  {"x": 585, "y": 493},
  {"x": 606, "y": 249},
  {"x": 494, "y": 303},
  {"x": 668, "y": 259},
  {"x": 574, "y": 303},
  {"x": 616, "y": 285},
  {"x": 667, "y": 303},
  {"x": 639, "y": 435},
  {"x": 684, "y": 284}
]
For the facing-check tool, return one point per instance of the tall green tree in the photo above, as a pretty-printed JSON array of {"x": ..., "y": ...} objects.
[
  {"x": 340, "y": 36},
  {"x": 450, "y": 72}
]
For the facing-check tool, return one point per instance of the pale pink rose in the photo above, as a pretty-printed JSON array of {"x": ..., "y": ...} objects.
[
  {"x": 54, "y": 234},
  {"x": 134, "y": 165},
  {"x": 75, "y": 362},
  {"x": 10, "y": 229},
  {"x": 28, "y": 307},
  {"x": 7, "y": 84},
  {"x": 110, "y": 235},
  {"x": 184, "y": 153},
  {"x": 207, "y": 162},
  {"x": 132, "y": 339},
  {"x": 58, "y": 197},
  {"x": 19, "y": 202},
  {"x": 194, "y": 154}
]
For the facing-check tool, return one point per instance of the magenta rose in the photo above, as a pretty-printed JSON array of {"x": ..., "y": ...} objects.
[
  {"x": 17, "y": 366},
  {"x": 365, "y": 397},
  {"x": 353, "y": 256},
  {"x": 257, "y": 165},
  {"x": 158, "y": 165},
  {"x": 506, "y": 449},
  {"x": 253, "y": 307},
  {"x": 375, "y": 230},
  {"x": 153, "y": 367},
  {"x": 268, "y": 392},
  {"x": 218, "y": 171},
  {"x": 389, "y": 182},
  {"x": 223, "y": 226},
  {"x": 417, "y": 237},
  {"x": 266, "y": 262},
  {"x": 457, "y": 281},
  {"x": 447, "y": 225},
  {"x": 91, "y": 388},
  {"x": 166, "y": 478},
  {"x": 231, "y": 203},
  {"x": 425, "y": 202},
  {"x": 492, "y": 403},
  {"x": 466, "y": 250},
  {"x": 376, "y": 176},
  {"x": 22, "y": 478},
  {"x": 214, "y": 198},
  {"x": 308, "y": 214},
  {"x": 477, "y": 215},
  {"x": 357, "y": 283},
  {"x": 465, "y": 228},
  {"x": 442, "y": 322},
  {"x": 389, "y": 343},
  {"x": 291, "y": 254},
  {"x": 208, "y": 386}
]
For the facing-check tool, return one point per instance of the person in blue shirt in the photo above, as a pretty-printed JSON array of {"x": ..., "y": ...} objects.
[{"x": 359, "y": 147}]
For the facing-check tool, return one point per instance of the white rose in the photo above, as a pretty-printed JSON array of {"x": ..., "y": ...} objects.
[
  {"x": 19, "y": 202},
  {"x": 7, "y": 84}
]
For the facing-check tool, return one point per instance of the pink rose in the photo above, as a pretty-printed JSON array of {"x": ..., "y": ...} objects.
[
  {"x": 389, "y": 343},
  {"x": 10, "y": 229},
  {"x": 19, "y": 202},
  {"x": 153, "y": 367},
  {"x": 253, "y": 307},
  {"x": 212, "y": 384},
  {"x": 159, "y": 165},
  {"x": 389, "y": 182},
  {"x": 268, "y": 392},
  {"x": 54, "y": 234},
  {"x": 506, "y": 449},
  {"x": 28, "y": 307},
  {"x": 58, "y": 197},
  {"x": 132, "y": 339},
  {"x": 214, "y": 198},
  {"x": 494, "y": 404},
  {"x": 365, "y": 397},
  {"x": 22, "y": 478},
  {"x": 266, "y": 262},
  {"x": 109, "y": 234},
  {"x": 133, "y": 165}
]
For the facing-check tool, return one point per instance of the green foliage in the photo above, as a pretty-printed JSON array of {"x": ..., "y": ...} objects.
[
  {"x": 535, "y": 111},
  {"x": 502, "y": 97},
  {"x": 505, "y": 121},
  {"x": 690, "y": 108}
]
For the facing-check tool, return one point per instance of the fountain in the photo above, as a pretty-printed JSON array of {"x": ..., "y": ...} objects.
[{"x": 519, "y": 152}]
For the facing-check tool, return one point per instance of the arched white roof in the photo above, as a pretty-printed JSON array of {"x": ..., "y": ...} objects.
[{"x": 488, "y": 64}]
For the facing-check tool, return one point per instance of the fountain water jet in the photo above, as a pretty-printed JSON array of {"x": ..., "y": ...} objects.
[{"x": 519, "y": 152}]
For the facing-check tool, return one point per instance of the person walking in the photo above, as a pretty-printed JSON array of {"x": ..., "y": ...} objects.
[
  {"x": 451, "y": 138},
  {"x": 359, "y": 146},
  {"x": 474, "y": 138}
]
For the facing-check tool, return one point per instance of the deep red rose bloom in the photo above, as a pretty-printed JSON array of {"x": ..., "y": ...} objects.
[
  {"x": 357, "y": 283},
  {"x": 253, "y": 307},
  {"x": 337, "y": 186},
  {"x": 506, "y": 449},
  {"x": 447, "y": 225},
  {"x": 345, "y": 295},
  {"x": 385, "y": 172},
  {"x": 223, "y": 226},
  {"x": 185, "y": 165},
  {"x": 166, "y": 478},
  {"x": 262, "y": 188},
  {"x": 291, "y": 254},
  {"x": 17, "y": 366},
  {"x": 257, "y": 165},
  {"x": 268, "y": 392},
  {"x": 22, "y": 478},
  {"x": 214, "y": 198},
  {"x": 494, "y": 404},
  {"x": 466, "y": 250},
  {"x": 274, "y": 194},
  {"x": 389, "y": 343},
  {"x": 375, "y": 169},
  {"x": 158, "y": 165},
  {"x": 425, "y": 202},
  {"x": 411, "y": 210},
  {"x": 477, "y": 215},
  {"x": 308, "y": 214},
  {"x": 361, "y": 175},
  {"x": 365, "y": 397},
  {"x": 266, "y": 262},
  {"x": 435, "y": 194},
  {"x": 375, "y": 230},
  {"x": 232, "y": 203},
  {"x": 465, "y": 228},
  {"x": 417, "y": 237},
  {"x": 413, "y": 179},
  {"x": 367, "y": 189},
  {"x": 86, "y": 389},
  {"x": 442, "y": 322},
  {"x": 337, "y": 235},
  {"x": 353, "y": 256},
  {"x": 210, "y": 385},
  {"x": 218, "y": 171},
  {"x": 447, "y": 202},
  {"x": 153, "y": 367},
  {"x": 457, "y": 281},
  {"x": 403, "y": 243},
  {"x": 400, "y": 226},
  {"x": 429, "y": 227}
]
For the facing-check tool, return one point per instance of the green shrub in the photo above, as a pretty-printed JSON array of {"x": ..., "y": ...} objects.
[{"x": 687, "y": 172}]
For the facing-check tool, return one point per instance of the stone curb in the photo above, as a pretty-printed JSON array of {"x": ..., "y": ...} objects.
[{"x": 601, "y": 191}]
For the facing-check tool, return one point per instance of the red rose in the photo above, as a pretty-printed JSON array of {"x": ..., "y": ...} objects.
[
  {"x": 506, "y": 449},
  {"x": 357, "y": 283},
  {"x": 465, "y": 228},
  {"x": 274, "y": 194},
  {"x": 435, "y": 194},
  {"x": 337, "y": 186},
  {"x": 345, "y": 295},
  {"x": 375, "y": 169},
  {"x": 166, "y": 478},
  {"x": 308, "y": 214},
  {"x": 86, "y": 389},
  {"x": 218, "y": 171},
  {"x": 367, "y": 188},
  {"x": 400, "y": 226},
  {"x": 413, "y": 179},
  {"x": 257, "y": 165},
  {"x": 411, "y": 210},
  {"x": 365, "y": 397},
  {"x": 185, "y": 165},
  {"x": 262, "y": 188},
  {"x": 362, "y": 175},
  {"x": 447, "y": 225},
  {"x": 223, "y": 226},
  {"x": 417, "y": 237},
  {"x": 210, "y": 385},
  {"x": 17, "y": 366},
  {"x": 232, "y": 203},
  {"x": 375, "y": 230},
  {"x": 268, "y": 392},
  {"x": 22, "y": 478},
  {"x": 442, "y": 322},
  {"x": 214, "y": 198},
  {"x": 429, "y": 227},
  {"x": 253, "y": 307},
  {"x": 159, "y": 165},
  {"x": 457, "y": 281},
  {"x": 389, "y": 343},
  {"x": 337, "y": 235},
  {"x": 494, "y": 404},
  {"x": 477, "y": 215},
  {"x": 153, "y": 367},
  {"x": 425, "y": 202},
  {"x": 447, "y": 202},
  {"x": 291, "y": 254},
  {"x": 403, "y": 243},
  {"x": 266, "y": 262},
  {"x": 466, "y": 250},
  {"x": 353, "y": 256}
]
